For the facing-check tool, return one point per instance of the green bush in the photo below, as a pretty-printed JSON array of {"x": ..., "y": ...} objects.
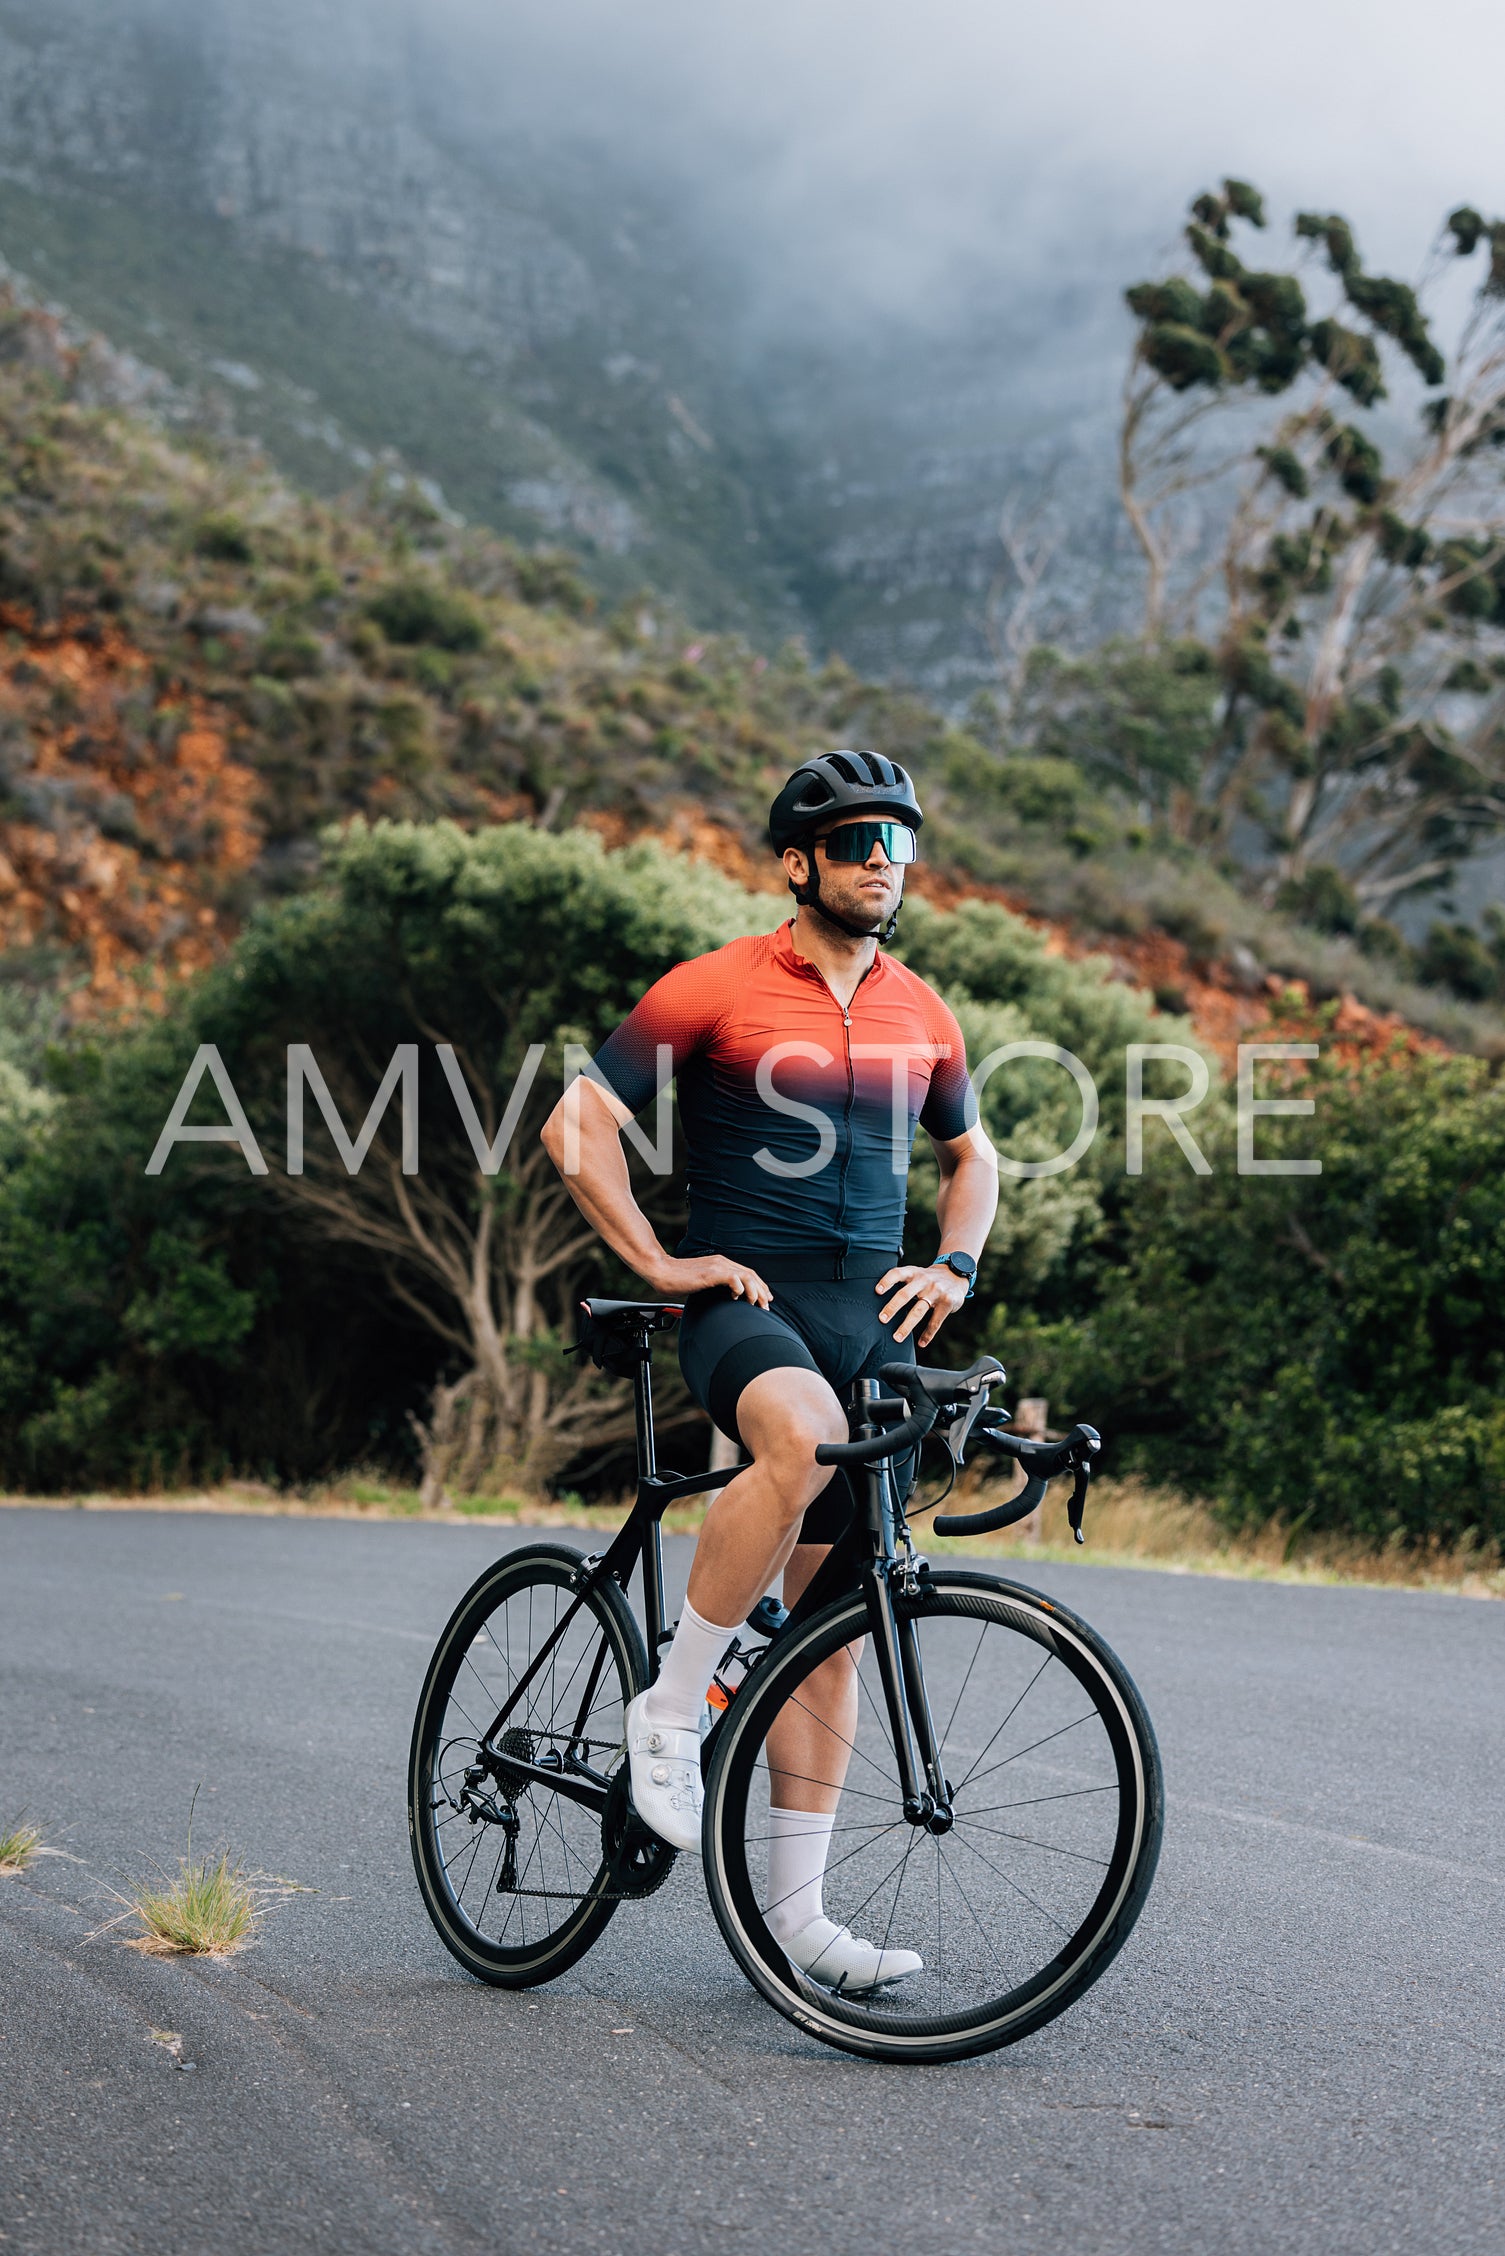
[
  {"x": 421, "y": 610},
  {"x": 223, "y": 538},
  {"x": 1471, "y": 963},
  {"x": 195, "y": 1323},
  {"x": 1329, "y": 1349},
  {"x": 552, "y": 577},
  {"x": 1323, "y": 898}
]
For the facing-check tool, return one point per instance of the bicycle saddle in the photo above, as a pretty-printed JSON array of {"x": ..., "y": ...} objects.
[{"x": 614, "y": 1333}]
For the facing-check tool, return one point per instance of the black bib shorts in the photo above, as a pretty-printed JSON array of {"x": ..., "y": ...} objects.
[{"x": 830, "y": 1325}]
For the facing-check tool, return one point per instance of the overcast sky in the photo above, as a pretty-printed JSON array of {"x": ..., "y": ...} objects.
[{"x": 894, "y": 148}]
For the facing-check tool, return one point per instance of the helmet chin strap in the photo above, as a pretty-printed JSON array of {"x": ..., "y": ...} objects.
[{"x": 808, "y": 897}]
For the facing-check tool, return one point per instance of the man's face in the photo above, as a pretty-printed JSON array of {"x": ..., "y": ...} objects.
[{"x": 867, "y": 892}]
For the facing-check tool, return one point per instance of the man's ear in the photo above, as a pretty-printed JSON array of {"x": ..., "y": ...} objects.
[{"x": 796, "y": 866}]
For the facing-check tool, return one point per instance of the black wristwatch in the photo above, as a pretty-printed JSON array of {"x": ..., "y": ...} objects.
[{"x": 961, "y": 1265}]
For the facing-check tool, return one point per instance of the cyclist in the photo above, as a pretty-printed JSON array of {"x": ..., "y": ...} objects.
[{"x": 804, "y": 1059}]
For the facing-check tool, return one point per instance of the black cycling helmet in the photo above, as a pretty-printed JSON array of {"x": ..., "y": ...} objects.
[{"x": 834, "y": 784}]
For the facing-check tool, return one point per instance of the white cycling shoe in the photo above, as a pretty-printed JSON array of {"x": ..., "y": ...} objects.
[
  {"x": 666, "y": 1786},
  {"x": 840, "y": 1960}
]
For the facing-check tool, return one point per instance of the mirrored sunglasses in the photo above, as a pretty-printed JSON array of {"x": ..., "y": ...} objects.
[{"x": 854, "y": 842}]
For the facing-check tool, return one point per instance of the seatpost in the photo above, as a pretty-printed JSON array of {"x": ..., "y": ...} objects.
[
  {"x": 654, "y": 1607},
  {"x": 642, "y": 1402}
]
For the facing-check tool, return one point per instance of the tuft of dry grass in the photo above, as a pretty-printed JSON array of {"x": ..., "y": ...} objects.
[
  {"x": 20, "y": 1845},
  {"x": 209, "y": 1909}
]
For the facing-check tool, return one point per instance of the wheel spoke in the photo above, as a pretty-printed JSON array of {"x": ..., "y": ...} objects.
[
  {"x": 997, "y": 1833},
  {"x": 1033, "y": 1801},
  {"x": 1008, "y": 1719},
  {"x": 1034, "y": 1743},
  {"x": 1010, "y": 1883},
  {"x": 966, "y": 1680}
]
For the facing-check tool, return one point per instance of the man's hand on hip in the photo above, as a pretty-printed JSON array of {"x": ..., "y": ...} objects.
[
  {"x": 927, "y": 1295},
  {"x": 703, "y": 1272}
]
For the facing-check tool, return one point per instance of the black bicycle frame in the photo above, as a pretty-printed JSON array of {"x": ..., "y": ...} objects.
[
  {"x": 864, "y": 1557},
  {"x": 639, "y": 1539}
]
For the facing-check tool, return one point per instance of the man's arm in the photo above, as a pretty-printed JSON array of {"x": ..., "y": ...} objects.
[
  {"x": 965, "y": 1205},
  {"x": 967, "y": 1199},
  {"x": 602, "y": 1189}
]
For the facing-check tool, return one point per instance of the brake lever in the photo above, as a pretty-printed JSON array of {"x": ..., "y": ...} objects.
[
  {"x": 959, "y": 1432},
  {"x": 1076, "y": 1503},
  {"x": 1089, "y": 1441}
]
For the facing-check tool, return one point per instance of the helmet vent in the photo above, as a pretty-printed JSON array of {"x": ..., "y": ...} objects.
[{"x": 846, "y": 767}]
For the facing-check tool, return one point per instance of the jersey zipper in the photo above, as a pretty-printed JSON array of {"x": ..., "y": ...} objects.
[
  {"x": 846, "y": 1157},
  {"x": 812, "y": 972}
]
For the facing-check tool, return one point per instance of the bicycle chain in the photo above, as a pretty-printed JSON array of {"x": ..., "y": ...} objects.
[{"x": 562, "y": 1895}]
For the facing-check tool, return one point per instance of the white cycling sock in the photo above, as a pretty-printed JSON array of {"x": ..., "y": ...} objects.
[
  {"x": 677, "y": 1696},
  {"x": 799, "y": 1841}
]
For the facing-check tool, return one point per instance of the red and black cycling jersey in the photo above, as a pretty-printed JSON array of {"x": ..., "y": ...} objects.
[{"x": 798, "y": 1115}]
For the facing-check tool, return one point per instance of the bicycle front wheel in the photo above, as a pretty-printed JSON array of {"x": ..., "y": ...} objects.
[
  {"x": 1016, "y": 1908},
  {"x": 518, "y": 1874}
]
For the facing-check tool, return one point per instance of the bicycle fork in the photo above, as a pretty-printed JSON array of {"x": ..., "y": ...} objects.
[{"x": 926, "y": 1789}]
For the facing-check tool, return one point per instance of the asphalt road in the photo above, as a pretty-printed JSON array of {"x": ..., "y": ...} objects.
[{"x": 1302, "y": 2047}]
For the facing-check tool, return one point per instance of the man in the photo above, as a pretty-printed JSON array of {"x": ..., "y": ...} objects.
[{"x": 804, "y": 1059}]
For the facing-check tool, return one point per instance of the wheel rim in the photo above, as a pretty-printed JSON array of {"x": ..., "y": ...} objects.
[
  {"x": 513, "y": 1871},
  {"x": 1012, "y": 1907}
]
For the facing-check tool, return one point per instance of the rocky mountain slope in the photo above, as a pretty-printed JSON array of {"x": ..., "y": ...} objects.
[
  {"x": 200, "y": 669},
  {"x": 333, "y": 244}
]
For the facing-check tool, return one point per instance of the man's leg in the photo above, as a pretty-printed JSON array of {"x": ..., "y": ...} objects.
[
  {"x": 783, "y": 1415},
  {"x": 751, "y": 1527},
  {"x": 809, "y": 1747},
  {"x": 810, "y": 1744}
]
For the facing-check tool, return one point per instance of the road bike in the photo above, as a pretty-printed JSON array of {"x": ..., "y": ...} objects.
[{"x": 997, "y": 1787}]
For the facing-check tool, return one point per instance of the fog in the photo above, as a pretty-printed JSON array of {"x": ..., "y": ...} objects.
[
  {"x": 887, "y": 158},
  {"x": 800, "y": 290},
  {"x": 895, "y": 158}
]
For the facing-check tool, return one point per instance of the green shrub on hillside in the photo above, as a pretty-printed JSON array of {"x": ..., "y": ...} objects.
[
  {"x": 418, "y": 610},
  {"x": 224, "y": 538},
  {"x": 1327, "y": 1349}
]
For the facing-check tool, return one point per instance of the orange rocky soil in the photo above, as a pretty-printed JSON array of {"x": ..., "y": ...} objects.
[
  {"x": 129, "y": 820},
  {"x": 129, "y": 829},
  {"x": 1224, "y": 1003}
]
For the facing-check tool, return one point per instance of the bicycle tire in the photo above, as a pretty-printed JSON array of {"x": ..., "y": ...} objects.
[
  {"x": 881, "y": 2026},
  {"x": 538, "y": 1581}
]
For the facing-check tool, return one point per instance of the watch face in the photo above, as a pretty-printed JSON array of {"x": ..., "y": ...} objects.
[{"x": 962, "y": 1263}]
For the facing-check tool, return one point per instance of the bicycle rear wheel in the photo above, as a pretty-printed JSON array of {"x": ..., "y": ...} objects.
[
  {"x": 1020, "y": 1905},
  {"x": 515, "y": 1874}
]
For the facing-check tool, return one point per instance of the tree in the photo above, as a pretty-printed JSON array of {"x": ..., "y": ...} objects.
[
  {"x": 486, "y": 954},
  {"x": 1139, "y": 718},
  {"x": 174, "y": 1328},
  {"x": 1355, "y": 604}
]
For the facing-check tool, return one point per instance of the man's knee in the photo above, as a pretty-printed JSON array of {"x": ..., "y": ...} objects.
[{"x": 784, "y": 1416}]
